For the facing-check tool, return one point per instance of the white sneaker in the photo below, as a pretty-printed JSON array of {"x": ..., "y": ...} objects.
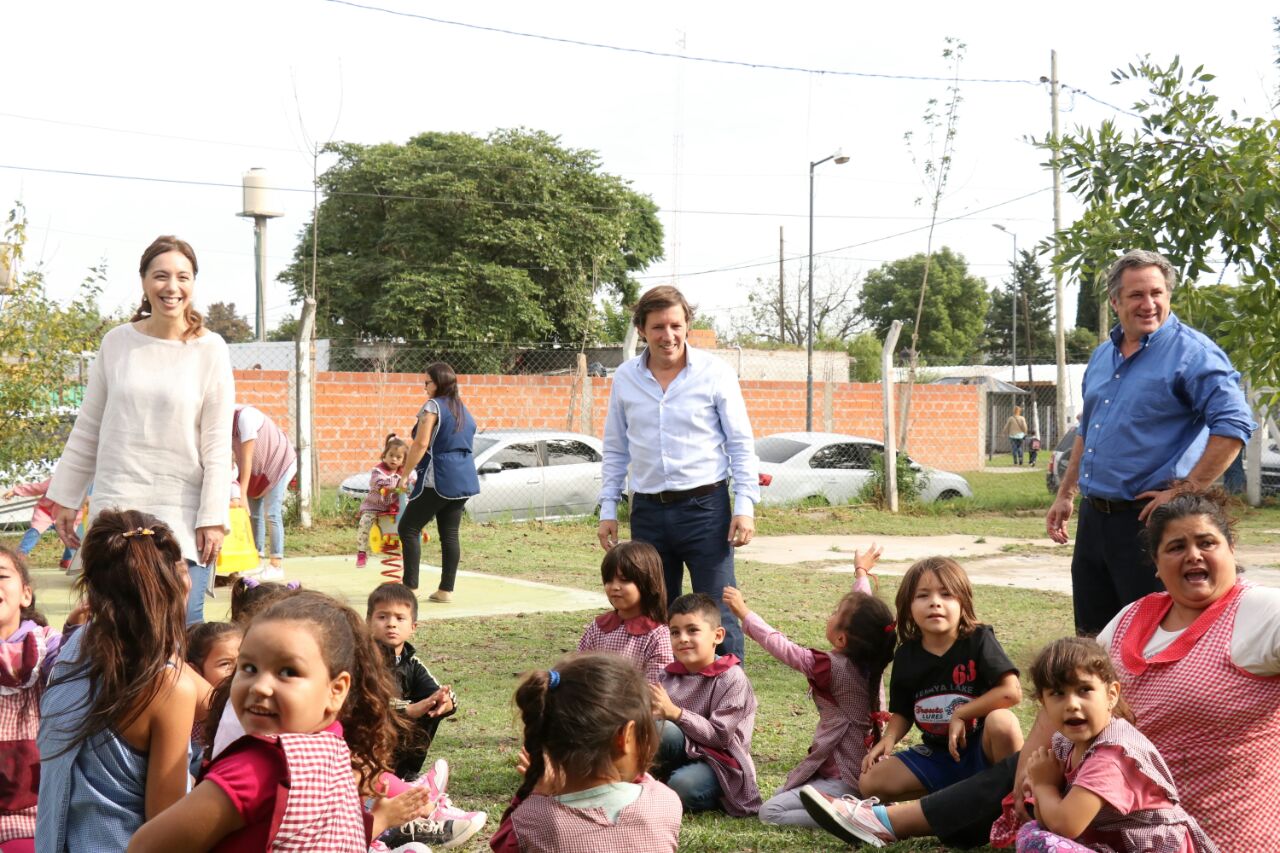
[
  {"x": 847, "y": 818},
  {"x": 272, "y": 573}
]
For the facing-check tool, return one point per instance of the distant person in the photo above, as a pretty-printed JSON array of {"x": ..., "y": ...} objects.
[
  {"x": 266, "y": 462},
  {"x": 1161, "y": 403},
  {"x": 154, "y": 429},
  {"x": 386, "y": 484},
  {"x": 41, "y": 517},
  {"x": 442, "y": 457},
  {"x": 677, "y": 420},
  {"x": 1015, "y": 429},
  {"x": 1033, "y": 448}
]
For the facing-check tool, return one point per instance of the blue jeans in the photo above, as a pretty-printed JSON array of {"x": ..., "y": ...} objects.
[
  {"x": 693, "y": 532},
  {"x": 1017, "y": 450},
  {"x": 32, "y": 537},
  {"x": 199, "y": 588},
  {"x": 274, "y": 501},
  {"x": 692, "y": 779}
]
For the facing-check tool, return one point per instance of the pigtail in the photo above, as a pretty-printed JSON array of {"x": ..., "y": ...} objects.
[
  {"x": 531, "y": 699},
  {"x": 137, "y": 599},
  {"x": 870, "y": 639}
]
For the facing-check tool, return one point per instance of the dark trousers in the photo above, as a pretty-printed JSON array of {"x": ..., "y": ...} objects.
[
  {"x": 417, "y": 515},
  {"x": 411, "y": 754},
  {"x": 961, "y": 815},
  {"x": 1110, "y": 567},
  {"x": 693, "y": 532},
  {"x": 1016, "y": 446}
]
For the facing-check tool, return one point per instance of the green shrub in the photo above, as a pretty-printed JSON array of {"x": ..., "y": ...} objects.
[{"x": 911, "y": 482}]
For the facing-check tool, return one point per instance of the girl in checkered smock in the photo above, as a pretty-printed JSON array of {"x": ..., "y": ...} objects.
[
  {"x": 1104, "y": 786},
  {"x": 636, "y": 628},
  {"x": 27, "y": 649},
  {"x": 845, "y": 684},
  {"x": 589, "y": 728},
  {"x": 312, "y": 694}
]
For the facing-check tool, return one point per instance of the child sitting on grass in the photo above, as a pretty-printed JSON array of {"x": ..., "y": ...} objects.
[
  {"x": 636, "y": 627},
  {"x": 708, "y": 711}
]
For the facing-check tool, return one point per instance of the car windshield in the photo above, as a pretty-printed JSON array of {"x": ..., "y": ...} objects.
[
  {"x": 1067, "y": 441},
  {"x": 776, "y": 449},
  {"x": 482, "y": 443}
]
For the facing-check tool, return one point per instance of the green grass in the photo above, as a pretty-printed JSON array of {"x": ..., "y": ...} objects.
[{"x": 484, "y": 657}]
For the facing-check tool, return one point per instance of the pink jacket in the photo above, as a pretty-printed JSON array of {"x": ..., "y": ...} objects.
[{"x": 42, "y": 518}]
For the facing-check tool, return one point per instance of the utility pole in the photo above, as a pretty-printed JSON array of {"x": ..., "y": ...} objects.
[
  {"x": 782, "y": 292},
  {"x": 1059, "y": 333}
]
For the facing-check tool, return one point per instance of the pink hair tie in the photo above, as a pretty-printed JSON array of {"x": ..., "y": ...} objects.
[{"x": 891, "y": 627}]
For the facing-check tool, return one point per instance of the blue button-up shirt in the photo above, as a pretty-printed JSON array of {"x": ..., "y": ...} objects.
[
  {"x": 1148, "y": 417},
  {"x": 695, "y": 433}
]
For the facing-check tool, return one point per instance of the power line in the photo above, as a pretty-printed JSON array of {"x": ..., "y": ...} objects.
[
  {"x": 663, "y": 54},
  {"x": 149, "y": 133}
]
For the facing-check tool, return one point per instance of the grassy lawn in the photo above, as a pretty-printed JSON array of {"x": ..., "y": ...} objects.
[{"x": 483, "y": 657}]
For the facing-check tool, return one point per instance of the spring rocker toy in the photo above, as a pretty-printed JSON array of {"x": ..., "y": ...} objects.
[{"x": 384, "y": 539}]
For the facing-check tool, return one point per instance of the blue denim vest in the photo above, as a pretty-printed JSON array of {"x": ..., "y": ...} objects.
[{"x": 453, "y": 463}]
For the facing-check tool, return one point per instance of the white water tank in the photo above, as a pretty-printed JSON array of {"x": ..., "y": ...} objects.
[{"x": 259, "y": 197}]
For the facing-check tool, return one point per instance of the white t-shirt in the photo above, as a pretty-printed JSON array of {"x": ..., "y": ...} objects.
[
  {"x": 249, "y": 423},
  {"x": 1255, "y": 638}
]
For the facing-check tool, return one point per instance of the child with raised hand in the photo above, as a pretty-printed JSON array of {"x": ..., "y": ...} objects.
[
  {"x": 589, "y": 728},
  {"x": 117, "y": 714},
  {"x": 386, "y": 485},
  {"x": 952, "y": 679},
  {"x": 636, "y": 628},
  {"x": 708, "y": 712},
  {"x": 312, "y": 694},
  {"x": 28, "y": 647},
  {"x": 1103, "y": 783},
  {"x": 392, "y": 614},
  {"x": 845, "y": 685}
]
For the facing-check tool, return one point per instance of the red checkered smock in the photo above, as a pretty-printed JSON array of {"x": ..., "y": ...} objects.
[
  {"x": 24, "y": 662},
  {"x": 639, "y": 638},
  {"x": 651, "y": 824},
  {"x": 1162, "y": 830},
  {"x": 718, "y": 715},
  {"x": 1216, "y": 725}
]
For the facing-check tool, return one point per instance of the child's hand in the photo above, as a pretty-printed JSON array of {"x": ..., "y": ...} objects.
[
  {"x": 662, "y": 704},
  {"x": 522, "y": 761},
  {"x": 441, "y": 702},
  {"x": 79, "y": 614},
  {"x": 865, "y": 562},
  {"x": 1043, "y": 769},
  {"x": 399, "y": 810},
  {"x": 882, "y": 749},
  {"x": 957, "y": 736},
  {"x": 735, "y": 602},
  {"x": 8, "y": 493}
]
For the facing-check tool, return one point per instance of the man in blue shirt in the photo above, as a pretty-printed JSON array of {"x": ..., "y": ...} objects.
[
  {"x": 1161, "y": 403},
  {"x": 677, "y": 418}
]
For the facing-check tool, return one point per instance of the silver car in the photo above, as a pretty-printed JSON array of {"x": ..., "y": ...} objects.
[
  {"x": 526, "y": 475},
  {"x": 796, "y": 466}
]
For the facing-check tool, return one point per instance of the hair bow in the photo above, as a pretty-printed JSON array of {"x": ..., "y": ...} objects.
[
  {"x": 891, "y": 627},
  {"x": 293, "y": 585},
  {"x": 138, "y": 531},
  {"x": 250, "y": 583}
]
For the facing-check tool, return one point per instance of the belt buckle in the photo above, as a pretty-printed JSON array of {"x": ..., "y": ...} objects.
[{"x": 664, "y": 499}]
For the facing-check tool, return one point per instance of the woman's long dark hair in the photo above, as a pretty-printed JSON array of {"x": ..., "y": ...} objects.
[
  {"x": 137, "y": 598},
  {"x": 162, "y": 245},
  {"x": 446, "y": 381}
]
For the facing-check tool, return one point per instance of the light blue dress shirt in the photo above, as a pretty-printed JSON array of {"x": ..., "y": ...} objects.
[
  {"x": 696, "y": 433},
  {"x": 1148, "y": 417}
]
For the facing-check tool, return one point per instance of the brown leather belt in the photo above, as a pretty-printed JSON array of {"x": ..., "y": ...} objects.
[
  {"x": 1104, "y": 505},
  {"x": 682, "y": 495}
]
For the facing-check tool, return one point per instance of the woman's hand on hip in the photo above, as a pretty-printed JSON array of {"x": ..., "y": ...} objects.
[
  {"x": 64, "y": 521},
  {"x": 209, "y": 544}
]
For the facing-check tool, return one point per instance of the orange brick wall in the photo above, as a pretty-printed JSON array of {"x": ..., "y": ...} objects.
[{"x": 355, "y": 411}]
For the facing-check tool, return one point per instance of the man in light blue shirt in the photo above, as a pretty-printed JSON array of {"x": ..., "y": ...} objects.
[
  {"x": 677, "y": 418},
  {"x": 1161, "y": 403}
]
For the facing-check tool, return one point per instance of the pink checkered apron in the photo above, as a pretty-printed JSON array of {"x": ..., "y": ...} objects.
[
  {"x": 19, "y": 722},
  {"x": 649, "y": 825},
  {"x": 319, "y": 808},
  {"x": 839, "y": 689},
  {"x": 1216, "y": 725},
  {"x": 640, "y": 639},
  {"x": 1150, "y": 830}
]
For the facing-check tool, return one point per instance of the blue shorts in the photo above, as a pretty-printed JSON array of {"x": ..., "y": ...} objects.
[{"x": 936, "y": 769}]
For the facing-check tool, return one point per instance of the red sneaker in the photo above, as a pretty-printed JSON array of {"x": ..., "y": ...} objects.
[{"x": 361, "y": 560}]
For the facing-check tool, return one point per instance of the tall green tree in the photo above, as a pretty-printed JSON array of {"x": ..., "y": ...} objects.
[
  {"x": 43, "y": 353},
  {"x": 1194, "y": 183},
  {"x": 955, "y": 305},
  {"x": 455, "y": 237},
  {"x": 1035, "y": 311}
]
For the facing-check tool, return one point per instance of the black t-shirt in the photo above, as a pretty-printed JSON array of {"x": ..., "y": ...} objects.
[{"x": 927, "y": 688}]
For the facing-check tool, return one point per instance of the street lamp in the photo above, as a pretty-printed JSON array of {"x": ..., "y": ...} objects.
[
  {"x": 1013, "y": 311},
  {"x": 840, "y": 159}
]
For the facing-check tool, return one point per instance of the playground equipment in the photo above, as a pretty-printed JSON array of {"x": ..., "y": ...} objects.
[
  {"x": 238, "y": 554},
  {"x": 385, "y": 539}
]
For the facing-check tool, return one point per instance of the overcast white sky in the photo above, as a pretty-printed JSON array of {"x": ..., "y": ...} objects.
[{"x": 179, "y": 92}]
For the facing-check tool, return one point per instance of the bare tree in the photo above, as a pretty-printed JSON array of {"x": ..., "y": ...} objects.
[{"x": 780, "y": 315}]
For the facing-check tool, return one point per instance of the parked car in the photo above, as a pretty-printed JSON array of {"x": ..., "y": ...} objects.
[
  {"x": 1058, "y": 461},
  {"x": 795, "y": 466},
  {"x": 526, "y": 475}
]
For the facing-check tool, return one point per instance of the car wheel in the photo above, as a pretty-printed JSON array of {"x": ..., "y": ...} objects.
[
  {"x": 815, "y": 501},
  {"x": 949, "y": 495}
]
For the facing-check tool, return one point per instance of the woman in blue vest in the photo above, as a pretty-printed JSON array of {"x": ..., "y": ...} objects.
[{"x": 441, "y": 454}]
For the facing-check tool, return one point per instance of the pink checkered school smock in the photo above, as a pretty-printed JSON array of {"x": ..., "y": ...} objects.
[
  {"x": 1216, "y": 725},
  {"x": 840, "y": 689},
  {"x": 24, "y": 662},
  {"x": 317, "y": 806},
  {"x": 718, "y": 716},
  {"x": 1162, "y": 830},
  {"x": 649, "y": 825},
  {"x": 639, "y": 638}
]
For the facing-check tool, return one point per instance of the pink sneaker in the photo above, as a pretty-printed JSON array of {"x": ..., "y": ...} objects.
[
  {"x": 435, "y": 779},
  {"x": 847, "y": 818},
  {"x": 361, "y": 560}
]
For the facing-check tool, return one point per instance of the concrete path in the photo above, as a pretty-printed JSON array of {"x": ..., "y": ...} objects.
[{"x": 986, "y": 559}]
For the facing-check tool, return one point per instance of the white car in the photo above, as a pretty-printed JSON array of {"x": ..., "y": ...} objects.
[
  {"x": 795, "y": 466},
  {"x": 526, "y": 475}
]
